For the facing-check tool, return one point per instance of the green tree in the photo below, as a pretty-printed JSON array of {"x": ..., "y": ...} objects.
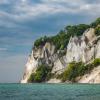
[
  {"x": 76, "y": 29},
  {"x": 95, "y": 23}
]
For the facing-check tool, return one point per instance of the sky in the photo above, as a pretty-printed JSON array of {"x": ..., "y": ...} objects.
[{"x": 23, "y": 21}]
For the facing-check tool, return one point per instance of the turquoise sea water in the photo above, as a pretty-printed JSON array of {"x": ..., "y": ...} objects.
[{"x": 49, "y": 92}]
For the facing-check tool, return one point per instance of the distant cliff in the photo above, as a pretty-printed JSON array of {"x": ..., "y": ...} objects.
[{"x": 73, "y": 55}]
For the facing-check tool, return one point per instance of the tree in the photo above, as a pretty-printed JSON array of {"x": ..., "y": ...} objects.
[
  {"x": 95, "y": 23},
  {"x": 76, "y": 29}
]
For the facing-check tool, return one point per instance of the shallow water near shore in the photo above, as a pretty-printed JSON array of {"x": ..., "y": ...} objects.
[{"x": 49, "y": 92}]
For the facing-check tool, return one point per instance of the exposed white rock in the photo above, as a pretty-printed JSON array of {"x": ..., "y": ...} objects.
[
  {"x": 81, "y": 48},
  {"x": 38, "y": 56},
  {"x": 58, "y": 66},
  {"x": 93, "y": 77},
  {"x": 90, "y": 34},
  {"x": 84, "y": 48},
  {"x": 54, "y": 80},
  {"x": 75, "y": 49},
  {"x": 97, "y": 49},
  {"x": 30, "y": 68}
]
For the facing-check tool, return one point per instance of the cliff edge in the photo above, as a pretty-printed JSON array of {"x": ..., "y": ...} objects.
[{"x": 71, "y": 58}]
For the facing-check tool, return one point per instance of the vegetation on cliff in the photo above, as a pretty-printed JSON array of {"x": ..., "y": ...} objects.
[
  {"x": 42, "y": 74},
  {"x": 77, "y": 69},
  {"x": 96, "y": 25},
  {"x": 62, "y": 38},
  {"x": 74, "y": 69}
]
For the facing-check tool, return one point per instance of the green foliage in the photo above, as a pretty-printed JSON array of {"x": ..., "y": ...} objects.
[
  {"x": 40, "y": 41},
  {"x": 61, "y": 40},
  {"x": 72, "y": 71},
  {"x": 76, "y": 29},
  {"x": 31, "y": 79},
  {"x": 96, "y": 62},
  {"x": 76, "y": 69},
  {"x": 42, "y": 74},
  {"x": 95, "y": 23},
  {"x": 97, "y": 30}
]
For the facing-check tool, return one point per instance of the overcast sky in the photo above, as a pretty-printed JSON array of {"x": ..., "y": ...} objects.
[{"x": 23, "y": 21}]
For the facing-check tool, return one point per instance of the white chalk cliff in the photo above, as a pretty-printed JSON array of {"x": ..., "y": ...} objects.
[{"x": 84, "y": 48}]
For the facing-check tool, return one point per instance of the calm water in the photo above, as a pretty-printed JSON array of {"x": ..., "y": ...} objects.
[{"x": 49, "y": 92}]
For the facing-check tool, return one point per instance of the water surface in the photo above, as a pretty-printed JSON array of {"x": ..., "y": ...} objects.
[{"x": 49, "y": 92}]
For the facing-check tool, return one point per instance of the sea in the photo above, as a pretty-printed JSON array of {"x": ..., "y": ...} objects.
[{"x": 49, "y": 91}]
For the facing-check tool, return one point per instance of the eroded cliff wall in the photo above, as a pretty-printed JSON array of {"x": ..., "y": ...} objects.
[{"x": 84, "y": 48}]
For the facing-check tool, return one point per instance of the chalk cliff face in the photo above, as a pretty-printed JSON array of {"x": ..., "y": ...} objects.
[
  {"x": 84, "y": 48},
  {"x": 93, "y": 77}
]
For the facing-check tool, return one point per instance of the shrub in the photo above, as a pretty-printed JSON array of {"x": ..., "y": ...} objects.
[
  {"x": 76, "y": 69},
  {"x": 76, "y": 30},
  {"x": 41, "y": 74},
  {"x": 72, "y": 71},
  {"x": 97, "y": 30},
  {"x": 96, "y": 62},
  {"x": 95, "y": 23},
  {"x": 41, "y": 41},
  {"x": 31, "y": 79},
  {"x": 49, "y": 76}
]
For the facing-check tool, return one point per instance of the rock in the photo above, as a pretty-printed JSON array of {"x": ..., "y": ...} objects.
[
  {"x": 31, "y": 66},
  {"x": 54, "y": 81},
  {"x": 97, "y": 51},
  {"x": 84, "y": 48},
  {"x": 58, "y": 66},
  {"x": 90, "y": 34},
  {"x": 93, "y": 77},
  {"x": 75, "y": 49},
  {"x": 38, "y": 57}
]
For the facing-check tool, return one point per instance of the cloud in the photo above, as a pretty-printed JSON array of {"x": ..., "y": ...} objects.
[
  {"x": 3, "y": 49},
  {"x": 16, "y": 14},
  {"x": 25, "y": 17},
  {"x": 23, "y": 10},
  {"x": 57, "y": 6},
  {"x": 23, "y": 21}
]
